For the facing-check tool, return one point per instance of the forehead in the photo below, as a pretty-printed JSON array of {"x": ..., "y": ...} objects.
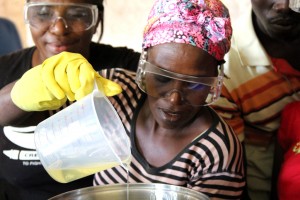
[
  {"x": 62, "y": 1},
  {"x": 182, "y": 58}
]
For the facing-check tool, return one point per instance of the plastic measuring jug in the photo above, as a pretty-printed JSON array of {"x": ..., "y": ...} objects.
[{"x": 82, "y": 139}]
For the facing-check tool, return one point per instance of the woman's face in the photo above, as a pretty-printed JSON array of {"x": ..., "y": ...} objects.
[
  {"x": 57, "y": 37},
  {"x": 174, "y": 110}
]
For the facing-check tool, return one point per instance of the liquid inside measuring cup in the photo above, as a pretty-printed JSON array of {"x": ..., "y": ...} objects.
[{"x": 65, "y": 175}]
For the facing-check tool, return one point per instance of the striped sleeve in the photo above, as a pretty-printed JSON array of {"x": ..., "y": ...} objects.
[
  {"x": 220, "y": 173},
  {"x": 248, "y": 96}
]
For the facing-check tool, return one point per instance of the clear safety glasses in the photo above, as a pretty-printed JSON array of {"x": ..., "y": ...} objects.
[
  {"x": 160, "y": 83},
  {"x": 76, "y": 17}
]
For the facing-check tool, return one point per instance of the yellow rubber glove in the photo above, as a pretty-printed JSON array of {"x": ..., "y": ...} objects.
[{"x": 58, "y": 78}]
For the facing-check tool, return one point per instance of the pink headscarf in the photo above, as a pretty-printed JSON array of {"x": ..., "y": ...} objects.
[{"x": 202, "y": 23}]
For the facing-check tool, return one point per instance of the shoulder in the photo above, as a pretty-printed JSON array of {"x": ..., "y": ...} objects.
[
  {"x": 217, "y": 155},
  {"x": 223, "y": 135},
  {"x": 23, "y": 56},
  {"x": 14, "y": 65}
]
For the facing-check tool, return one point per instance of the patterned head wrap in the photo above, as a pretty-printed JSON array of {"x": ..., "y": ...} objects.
[{"x": 201, "y": 23}]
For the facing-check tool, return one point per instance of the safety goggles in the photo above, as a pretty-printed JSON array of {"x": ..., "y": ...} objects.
[
  {"x": 76, "y": 17},
  {"x": 161, "y": 83}
]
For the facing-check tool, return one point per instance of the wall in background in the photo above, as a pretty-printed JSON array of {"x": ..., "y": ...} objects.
[
  {"x": 13, "y": 10},
  {"x": 124, "y": 20}
]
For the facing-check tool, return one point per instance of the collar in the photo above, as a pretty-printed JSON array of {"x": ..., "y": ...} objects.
[
  {"x": 283, "y": 67},
  {"x": 250, "y": 50}
]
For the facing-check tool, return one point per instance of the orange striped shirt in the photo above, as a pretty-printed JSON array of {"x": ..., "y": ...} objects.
[{"x": 255, "y": 95}]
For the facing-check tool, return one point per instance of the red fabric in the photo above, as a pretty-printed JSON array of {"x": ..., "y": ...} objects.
[
  {"x": 289, "y": 179},
  {"x": 289, "y": 139},
  {"x": 289, "y": 131},
  {"x": 283, "y": 67}
]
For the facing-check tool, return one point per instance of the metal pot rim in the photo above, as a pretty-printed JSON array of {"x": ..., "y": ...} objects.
[{"x": 132, "y": 187}]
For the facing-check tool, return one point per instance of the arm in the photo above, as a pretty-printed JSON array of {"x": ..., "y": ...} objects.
[
  {"x": 257, "y": 136},
  {"x": 233, "y": 116},
  {"x": 49, "y": 85},
  {"x": 230, "y": 112},
  {"x": 9, "y": 112}
]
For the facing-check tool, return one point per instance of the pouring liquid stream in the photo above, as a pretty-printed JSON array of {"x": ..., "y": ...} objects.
[{"x": 126, "y": 167}]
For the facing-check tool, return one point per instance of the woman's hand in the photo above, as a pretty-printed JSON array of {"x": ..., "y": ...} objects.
[{"x": 58, "y": 78}]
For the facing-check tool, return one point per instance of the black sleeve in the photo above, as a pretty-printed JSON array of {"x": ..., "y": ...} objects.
[
  {"x": 14, "y": 65},
  {"x": 8, "y": 191}
]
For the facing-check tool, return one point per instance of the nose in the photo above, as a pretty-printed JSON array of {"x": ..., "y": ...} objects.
[
  {"x": 59, "y": 26},
  {"x": 281, "y": 5},
  {"x": 175, "y": 97}
]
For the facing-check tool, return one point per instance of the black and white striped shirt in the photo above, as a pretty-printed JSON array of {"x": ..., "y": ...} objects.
[{"x": 212, "y": 163}]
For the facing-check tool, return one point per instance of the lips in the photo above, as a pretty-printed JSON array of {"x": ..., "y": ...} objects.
[
  {"x": 284, "y": 22},
  {"x": 287, "y": 22},
  {"x": 171, "y": 115},
  {"x": 57, "y": 47}
]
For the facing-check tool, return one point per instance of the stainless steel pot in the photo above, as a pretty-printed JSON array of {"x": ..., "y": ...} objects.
[{"x": 137, "y": 191}]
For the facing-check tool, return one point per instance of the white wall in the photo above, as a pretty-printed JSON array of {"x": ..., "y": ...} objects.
[{"x": 125, "y": 21}]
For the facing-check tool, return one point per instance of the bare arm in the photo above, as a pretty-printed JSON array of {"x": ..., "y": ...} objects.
[{"x": 9, "y": 112}]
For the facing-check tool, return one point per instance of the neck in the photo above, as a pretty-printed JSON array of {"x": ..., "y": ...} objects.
[{"x": 36, "y": 60}]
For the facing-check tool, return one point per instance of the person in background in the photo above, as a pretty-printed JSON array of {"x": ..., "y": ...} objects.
[
  {"x": 56, "y": 26},
  {"x": 176, "y": 138},
  {"x": 289, "y": 140},
  {"x": 263, "y": 75},
  {"x": 9, "y": 37}
]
